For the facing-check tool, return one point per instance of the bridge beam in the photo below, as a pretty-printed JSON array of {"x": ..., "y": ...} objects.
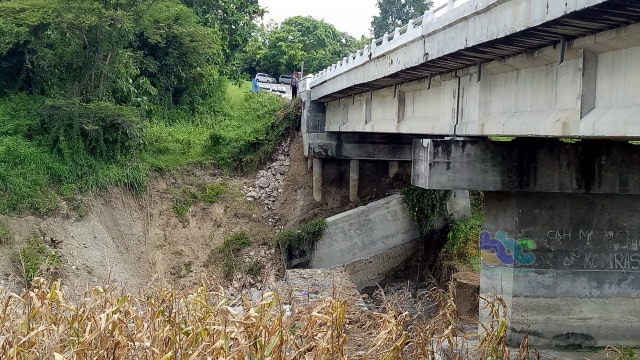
[
  {"x": 537, "y": 165},
  {"x": 560, "y": 243}
]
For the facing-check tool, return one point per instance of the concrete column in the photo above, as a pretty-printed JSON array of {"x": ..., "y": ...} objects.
[
  {"x": 354, "y": 180},
  {"x": 393, "y": 168},
  {"x": 317, "y": 179},
  {"x": 309, "y": 163},
  {"x": 566, "y": 264}
]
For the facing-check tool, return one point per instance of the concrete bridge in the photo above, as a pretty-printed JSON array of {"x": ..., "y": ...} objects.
[{"x": 562, "y": 198}]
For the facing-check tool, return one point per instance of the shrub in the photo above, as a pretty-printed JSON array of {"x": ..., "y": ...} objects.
[
  {"x": 235, "y": 242},
  {"x": 35, "y": 259},
  {"x": 101, "y": 130},
  {"x": 462, "y": 241},
  {"x": 212, "y": 192},
  {"x": 298, "y": 243}
]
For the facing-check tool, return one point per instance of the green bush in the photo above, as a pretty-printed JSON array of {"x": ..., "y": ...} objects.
[
  {"x": 235, "y": 242},
  {"x": 225, "y": 255},
  {"x": 100, "y": 130},
  {"x": 463, "y": 239},
  {"x": 298, "y": 244},
  {"x": 36, "y": 259},
  {"x": 255, "y": 268}
]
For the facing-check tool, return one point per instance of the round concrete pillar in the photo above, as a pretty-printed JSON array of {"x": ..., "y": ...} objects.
[{"x": 317, "y": 179}]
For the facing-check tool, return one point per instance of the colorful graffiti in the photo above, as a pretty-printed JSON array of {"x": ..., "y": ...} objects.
[{"x": 502, "y": 250}]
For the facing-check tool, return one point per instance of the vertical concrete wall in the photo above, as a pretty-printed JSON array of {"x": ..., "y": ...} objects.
[
  {"x": 364, "y": 232},
  {"x": 372, "y": 240},
  {"x": 575, "y": 273}
]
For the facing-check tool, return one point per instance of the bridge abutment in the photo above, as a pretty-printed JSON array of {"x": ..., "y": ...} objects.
[{"x": 560, "y": 234}]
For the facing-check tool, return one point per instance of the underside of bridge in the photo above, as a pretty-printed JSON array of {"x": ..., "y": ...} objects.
[{"x": 562, "y": 186}]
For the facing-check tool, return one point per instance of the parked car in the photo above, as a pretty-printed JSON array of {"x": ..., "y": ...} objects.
[
  {"x": 285, "y": 79},
  {"x": 266, "y": 78}
]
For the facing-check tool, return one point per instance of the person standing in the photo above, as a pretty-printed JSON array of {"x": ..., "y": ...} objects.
[
  {"x": 254, "y": 85},
  {"x": 294, "y": 84}
]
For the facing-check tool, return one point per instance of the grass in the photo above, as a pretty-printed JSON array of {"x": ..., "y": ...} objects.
[
  {"x": 52, "y": 149},
  {"x": 187, "y": 197},
  {"x": 36, "y": 259}
]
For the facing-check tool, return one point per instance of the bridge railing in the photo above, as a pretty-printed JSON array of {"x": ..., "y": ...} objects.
[{"x": 400, "y": 36}]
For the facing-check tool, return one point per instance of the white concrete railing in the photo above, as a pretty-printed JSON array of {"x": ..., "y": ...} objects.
[{"x": 397, "y": 38}]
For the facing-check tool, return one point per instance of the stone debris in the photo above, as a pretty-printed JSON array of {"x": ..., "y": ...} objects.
[{"x": 270, "y": 183}]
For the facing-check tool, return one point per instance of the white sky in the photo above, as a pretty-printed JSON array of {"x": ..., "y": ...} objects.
[{"x": 352, "y": 16}]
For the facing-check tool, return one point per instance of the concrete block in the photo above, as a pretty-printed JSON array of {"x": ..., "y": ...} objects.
[{"x": 364, "y": 232}]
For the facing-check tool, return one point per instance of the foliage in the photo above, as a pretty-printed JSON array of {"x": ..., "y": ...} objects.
[
  {"x": 397, "y": 13},
  {"x": 501, "y": 138},
  {"x": 139, "y": 52},
  {"x": 305, "y": 235},
  {"x": 211, "y": 192},
  {"x": 36, "y": 259},
  {"x": 234, "y": 243},
  {"x": 298, "y": 40},
  {"x": 98, "y": 130},
  {"x": 462, "y": 241},
  {"x": 183, "y": 201},
  {"x": 299, "y": 242},
  {"x": 234, "y": 20},
  {"x": 426, "y": 206},
  {"x": 6, "y": 235},
  {"x": 248, "y": 135},
  {"x": 225, "y": 255}
]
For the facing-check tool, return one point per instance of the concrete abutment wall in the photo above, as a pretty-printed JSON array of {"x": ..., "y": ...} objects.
[{"x": 561, "y": 232}]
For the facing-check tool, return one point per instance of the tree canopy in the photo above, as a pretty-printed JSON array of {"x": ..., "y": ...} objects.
[
  {"x": 131, "y": 52},
  {"x": 279, "y": 49},
  {"x": 396, "y": 13}
]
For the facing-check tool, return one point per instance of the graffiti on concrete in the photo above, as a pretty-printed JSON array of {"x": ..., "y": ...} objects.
[{"x": 503, "y": 250}]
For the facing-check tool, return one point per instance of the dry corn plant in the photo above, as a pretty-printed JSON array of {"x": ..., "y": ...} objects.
[
  {"x": 164, "y": 324},
  {"x": 390, "y": 325},
  {"x": 493, "y": 343}
]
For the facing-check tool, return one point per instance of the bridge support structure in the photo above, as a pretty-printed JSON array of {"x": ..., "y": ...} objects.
[{"x": 561, "y": 232}]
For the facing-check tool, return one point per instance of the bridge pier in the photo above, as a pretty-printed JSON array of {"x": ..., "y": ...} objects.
[
  {"x": 393, "y": 168},
  {"x": 317, "y": 179},
  {"x": 354, "y": 179},
  {"x": 561, "y": 232}
]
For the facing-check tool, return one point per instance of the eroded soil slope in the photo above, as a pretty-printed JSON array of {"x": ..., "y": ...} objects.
[{"x": 139, "y": 241}]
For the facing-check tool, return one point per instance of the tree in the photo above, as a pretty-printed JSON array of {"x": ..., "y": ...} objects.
[
  {"x": 133, "y": 52},
  {"x": 234, "y": 19},
  {"x": 396, "y": 13},
  {"x": 298, "y": 40}
]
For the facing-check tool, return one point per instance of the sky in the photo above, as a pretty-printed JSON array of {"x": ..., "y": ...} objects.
[{"x": 351, "y": 16}]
